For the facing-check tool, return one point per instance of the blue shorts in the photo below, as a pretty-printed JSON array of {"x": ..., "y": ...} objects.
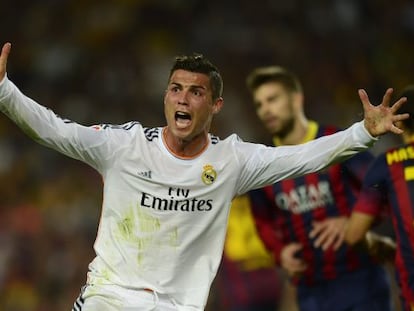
[{"x": 364, "y": 290}]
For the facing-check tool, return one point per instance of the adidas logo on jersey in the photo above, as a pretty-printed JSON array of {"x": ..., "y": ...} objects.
[{"x": 146, "y": 174}]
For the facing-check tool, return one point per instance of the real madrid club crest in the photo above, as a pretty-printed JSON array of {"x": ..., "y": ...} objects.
[{"x": 209, "y": 175}]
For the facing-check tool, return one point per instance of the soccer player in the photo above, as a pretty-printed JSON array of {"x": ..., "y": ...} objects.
[
  {"x": 167, "y": 190},
  {"x": 334, "y": 278},
  {"x": 389, "y": 187}
]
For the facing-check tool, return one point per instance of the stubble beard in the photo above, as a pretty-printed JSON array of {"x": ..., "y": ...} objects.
[{"x": 285, "y": 129}]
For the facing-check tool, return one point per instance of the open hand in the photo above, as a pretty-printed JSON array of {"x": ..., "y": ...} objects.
[{"x": 381, "y": 119}]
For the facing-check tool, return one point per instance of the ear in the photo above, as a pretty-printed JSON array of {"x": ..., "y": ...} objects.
[{"x": 218, "y": 105}]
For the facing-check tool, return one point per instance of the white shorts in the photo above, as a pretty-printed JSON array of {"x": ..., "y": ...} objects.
[{"x": 116, "y": 298}]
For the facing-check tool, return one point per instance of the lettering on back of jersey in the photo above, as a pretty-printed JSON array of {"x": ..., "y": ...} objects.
[
  {"x": 409, "y": 173},
  {"x": 399, "y": 155},
  {"x": 305, "y": 198}
]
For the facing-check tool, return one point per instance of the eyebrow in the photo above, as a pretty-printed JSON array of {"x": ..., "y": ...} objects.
[{"x": 192, "y": 86}]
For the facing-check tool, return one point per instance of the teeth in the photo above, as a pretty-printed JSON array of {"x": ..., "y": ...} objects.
[{"x": 182, "y": 115}]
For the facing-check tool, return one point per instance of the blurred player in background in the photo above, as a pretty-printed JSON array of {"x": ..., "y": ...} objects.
[
  {"x": 389, "y": 188},
  {"x": 327, "y": 278}
]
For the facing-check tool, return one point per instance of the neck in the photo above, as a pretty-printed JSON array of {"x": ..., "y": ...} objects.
[
  {"x": 297, "y": 135},
  {"x": 183, "y": 148}
]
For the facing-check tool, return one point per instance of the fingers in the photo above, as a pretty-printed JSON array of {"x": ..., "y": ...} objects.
[
  {"x": 396, "y": 130},
  {"x": 401, "y": 117},
  {"x": 323, "y": 233},
  {"x": 296, "y": 268},
  {"x": 387, "y": 97},
  {"x": 318, "y": 227},
  {"x": 339, "y": 240},
  {"x": 289, "y": 260},
  {"x": 363, "y": 96},
  {"x": 398, "y": 117},
  {"x": 329, "y": 238},
  {"x": 397, "y": 105},
  {"x": 324, "y": 240},
  {"x": 5, "y": 51},
  {"x": 329, "y": 233}
]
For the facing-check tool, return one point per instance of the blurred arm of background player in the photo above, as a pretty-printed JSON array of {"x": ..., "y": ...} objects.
[
  {"x": 355, "y": 231},
  {"x": 358, "y": 233}
]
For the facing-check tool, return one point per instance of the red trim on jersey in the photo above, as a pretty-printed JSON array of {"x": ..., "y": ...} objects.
[{"x": 402, "y": 194}]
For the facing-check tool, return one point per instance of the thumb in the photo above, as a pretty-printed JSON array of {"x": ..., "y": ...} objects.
[{"x": 5, "y": 51}]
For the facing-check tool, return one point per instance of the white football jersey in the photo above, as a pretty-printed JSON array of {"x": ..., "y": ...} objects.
[{"x": 164, "y": 219}]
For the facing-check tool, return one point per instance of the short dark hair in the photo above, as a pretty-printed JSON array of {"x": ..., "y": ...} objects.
[
  {"x": 408, "y": 107},
  {"x": 262, "y": 75},
  {"x": 198, "y": 63}
]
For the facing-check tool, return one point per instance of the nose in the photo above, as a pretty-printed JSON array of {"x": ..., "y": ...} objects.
[
  {"x": 183, "y": 98},
  {"x": 263, "y": 110}
]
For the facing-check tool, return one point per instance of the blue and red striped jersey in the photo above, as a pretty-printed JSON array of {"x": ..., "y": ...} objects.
[
  {"x": 389, "y": 183},
  {"x": 236, "y": 288},
  {"x": 284, "y": 213}
]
